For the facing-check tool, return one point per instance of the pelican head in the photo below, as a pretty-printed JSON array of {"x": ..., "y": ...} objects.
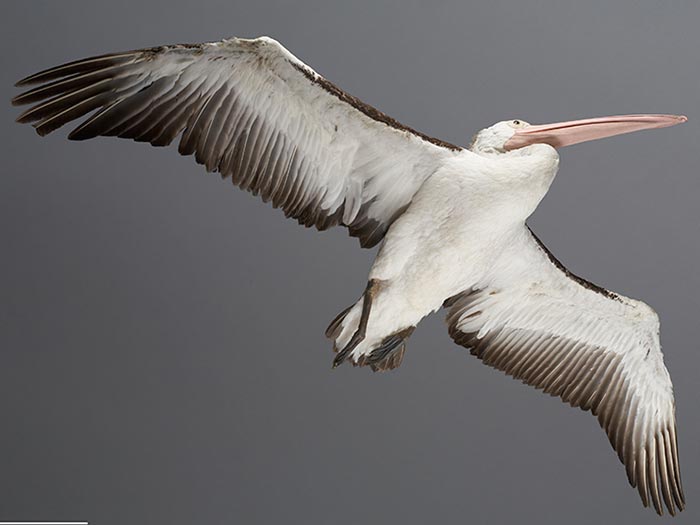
[{"x": 509, "y": 135}]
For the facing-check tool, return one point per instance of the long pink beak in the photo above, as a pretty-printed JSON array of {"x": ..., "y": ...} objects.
[{"x": 574, "y": 131}]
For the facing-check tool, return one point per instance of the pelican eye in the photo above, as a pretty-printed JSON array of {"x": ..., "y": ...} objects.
[{"x": 517, "y": 124}]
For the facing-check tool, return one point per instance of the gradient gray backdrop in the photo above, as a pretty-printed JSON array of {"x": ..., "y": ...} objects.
[{"x": 162, "y": 351}]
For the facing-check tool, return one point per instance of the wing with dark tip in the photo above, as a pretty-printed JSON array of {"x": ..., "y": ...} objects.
[
  {"x": 252, "y": 111},
  {"x": 596, "y": 350}
]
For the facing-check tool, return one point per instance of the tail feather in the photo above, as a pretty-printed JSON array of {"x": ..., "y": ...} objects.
[
  {"x": 379, "y": 354},
  {"x": 389, "y": 354},
  {"x": 390, "y": 361}
]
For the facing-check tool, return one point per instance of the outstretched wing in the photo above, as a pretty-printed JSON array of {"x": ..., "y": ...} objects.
[
  {"x": 596, "y": 350},
  {"x": 252, "y": 111}
]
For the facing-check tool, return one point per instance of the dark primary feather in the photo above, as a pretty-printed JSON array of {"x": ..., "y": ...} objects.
[{"x": 76, "y": 67}]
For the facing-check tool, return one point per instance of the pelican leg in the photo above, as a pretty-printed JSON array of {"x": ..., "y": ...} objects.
[{"x": 359, "y": 335}]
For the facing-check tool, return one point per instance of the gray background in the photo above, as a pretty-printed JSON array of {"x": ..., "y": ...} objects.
[{"x": 163, "y": 358}]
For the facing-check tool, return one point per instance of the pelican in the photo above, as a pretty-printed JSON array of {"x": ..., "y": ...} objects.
[{"x": 451, "y": 221}]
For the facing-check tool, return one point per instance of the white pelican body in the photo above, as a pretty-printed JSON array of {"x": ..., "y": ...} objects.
[
  {"x": 450, "y": 220},
  {"x": 459, "y": 222}
]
